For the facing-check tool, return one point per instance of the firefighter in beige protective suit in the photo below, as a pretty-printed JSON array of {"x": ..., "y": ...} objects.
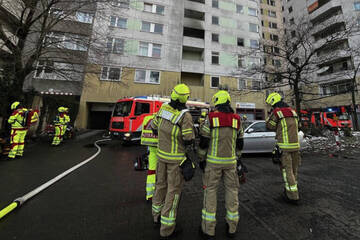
[
  {"x": 284, "y": 120},
  {"x": 221, "y": 142},
  {"x": 174, "y": 126}
]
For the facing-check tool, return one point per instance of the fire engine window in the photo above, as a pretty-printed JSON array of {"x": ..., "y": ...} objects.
[
  {"x": 122, "y": 109},
  {"x": 330, "y": 115},
  {"x": 142, "y": 108}
]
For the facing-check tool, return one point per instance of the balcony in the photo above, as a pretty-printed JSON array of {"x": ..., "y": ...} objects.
[
  {"x": 335, "y": 76},
  {"x": 195, "y": 5},
  {"x": 329, "y": 23},
  {"x": 323, "y": 6},
  {"x": 192, "y": 66},
  {"x": 193, "y": 42},
  {"x": 333, "y": 56}
]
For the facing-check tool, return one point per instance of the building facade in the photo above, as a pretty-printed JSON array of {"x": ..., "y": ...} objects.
[
  {"x": 147, "y": 47},
  {"x": 338, "y": 60}
]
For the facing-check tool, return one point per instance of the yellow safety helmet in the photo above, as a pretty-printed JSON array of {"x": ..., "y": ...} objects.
[
  {"x": 203, "y": 114},
  {"x": 66, "y": 109},
  {"x": 14, "y": 105},
  {"x": 180, "y": 92},
  {"x": 221, "y": 97},
  {"x": 61, "y": 109},
  {"x": 273, "y": 98}
]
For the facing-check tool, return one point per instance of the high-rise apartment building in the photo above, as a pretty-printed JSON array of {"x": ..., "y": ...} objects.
[
  {"x": 336, "y": 61},
  {"x": 147, "y": 47}
]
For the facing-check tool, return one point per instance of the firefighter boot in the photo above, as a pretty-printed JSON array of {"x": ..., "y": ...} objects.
[
  {"x": 204, "y": 235},
  {"x": 178, "y": 230},
  {"x": 288, "y": 200},
  {"x": 228, "y": 234}
]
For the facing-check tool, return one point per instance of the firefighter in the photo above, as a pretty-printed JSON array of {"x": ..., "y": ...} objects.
[
  {"x": 18, "y": 131},
  {"x": 66, "y": 122},
  {"x": 221, "y": 142},
  {"x": 148, "y": 138},
  {"x": 202, "y": 117},
  {"x": 59, "y": 123},
  {"x": 174, "y": 126},
  {"x": 284, "y": 121}
]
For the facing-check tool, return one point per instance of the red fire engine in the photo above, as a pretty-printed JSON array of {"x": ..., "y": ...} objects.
[
  {"x": 328, "y": 119},
  {"x": 128, "y": 115}
]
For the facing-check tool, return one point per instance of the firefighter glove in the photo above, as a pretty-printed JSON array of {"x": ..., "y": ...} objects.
[
  {"x": 187, "y": 169},
  {"x": 202, "y": 165},
  {"x": 241, "y": 170}
]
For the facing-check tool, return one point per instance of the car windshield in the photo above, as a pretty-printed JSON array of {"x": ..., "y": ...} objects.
[
  {"x": 343, "y": 117},
  {"x": 123, "y": 109},
  {"x": 246, "y": 124}
]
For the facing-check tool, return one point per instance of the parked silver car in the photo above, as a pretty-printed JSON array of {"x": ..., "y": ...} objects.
[{"x": 257, "y": 139}]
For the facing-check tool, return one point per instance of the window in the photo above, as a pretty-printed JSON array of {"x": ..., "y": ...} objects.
[
  {"x": 45, "y": 69},
  {"x": 261, "y": 11},
  {"x": 152, "y": 27},
  {"x": 241, "y": 61},
  {"x": 276, "y": 63},
  {"x": 272, "y": 14},
  {"x": 271, "y": 2},
  {"x": 254, "y": 43},
  {"x": 115, "y": 45},
  {"x": 252, "y": 12},
  {"x": 147, "y": 76},
  {"x": 256, "y": 85},
  {"x": 59, "y": 71},
  {"x": 215, "y": 37},
  {"x": 154, "y": 8},
  {"x": 253, "y": 62},
  {"x": 214, "y": 58},
  {"x": 121, "y": 3},
  {"x": 241, "y": 84},
  {"x": 109, "y": 73},
  {"x": 150, "y": 50},
  {"x": 293, "y": 33},
  {"x": 273, "y": 25},
  {"x": 292, "y": 21},
  {"x": 276, "y": 50},
  {"x": 66, "y": 41},
  {"x": 239, "y": 8},
  {"x": 253, "y": 27},
  {"x": 215, "y": 3},
  {"x": 215, "y": 20},
  {"x": 84, "y": 17},
  {"x": 215, "y": 82},
  {"x": 274, "y": 37},
  {"x": 142, "y": 108},
  {"x": 290, "y": 9},
  {"x": 357, "y": 6},
  {"x": 240, "y": 42},
  {"x": 118, "y": 22},
  {"x": 259, "y": 127}
]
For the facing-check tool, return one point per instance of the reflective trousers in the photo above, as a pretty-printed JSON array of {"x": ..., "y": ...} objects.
[
  {"x": 168, "y": 187},
  {"x": 290, "y": 162},
  {"x": 151, "y": 174},
  {"x": 57, "y": 137},
  {"x": 63, "y": 131},
  {"x": 17, "y": 141},
  {"x": 211, "y": 181}
]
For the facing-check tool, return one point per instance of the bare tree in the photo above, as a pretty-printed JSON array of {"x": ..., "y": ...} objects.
[{"x": 296, "y": 58}]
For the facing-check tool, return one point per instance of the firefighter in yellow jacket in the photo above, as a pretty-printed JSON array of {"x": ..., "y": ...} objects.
[
  {"x": 18, "y": 130},
  {"x": 66, "y": 121},
  {"x": 148, "y": 138},
  {"x": 174, "y": 127},
  {"x": 221, "y": 142},
  {"x": 284, "y": 121},
  {"x": 59, "y": 123}
]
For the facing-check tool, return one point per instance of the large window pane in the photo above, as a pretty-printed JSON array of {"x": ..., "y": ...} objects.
[
  {"x": 104, "y": 73},
  {"x": 144, "y": 49},
  {"x": 154, "y": 77},
  {"x": 122, "y": 22},
  {"x": 114, "y": 74},
  {"x": 156, "y": 50},
  {"x": 140, "y": 75},
  {"x": 158, "y": 28},
  {"x": 145, "y": 26}
]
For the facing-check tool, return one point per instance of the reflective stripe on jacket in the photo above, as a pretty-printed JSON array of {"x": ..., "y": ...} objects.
[
  {"x": 285, "y": 122},
  {"x": 174, "y": 127},
  {"x": 148, "y": 137},
  {"x": 17, "y": 119},
  {"x": 60, "y": 119}
]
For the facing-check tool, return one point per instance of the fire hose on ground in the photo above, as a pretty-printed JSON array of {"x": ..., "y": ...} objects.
[{"x": 21, "y": 200}]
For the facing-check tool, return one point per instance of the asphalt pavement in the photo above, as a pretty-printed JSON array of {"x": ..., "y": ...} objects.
[{"x": 105, "y": 199}]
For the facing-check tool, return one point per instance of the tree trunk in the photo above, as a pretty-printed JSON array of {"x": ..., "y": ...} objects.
[{"x": 356, "y": 123}]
